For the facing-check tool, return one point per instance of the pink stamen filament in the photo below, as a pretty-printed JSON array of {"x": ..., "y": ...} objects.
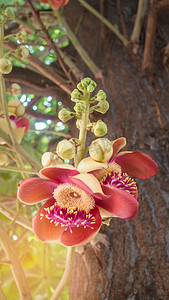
[{"x": 68, "y": 217}]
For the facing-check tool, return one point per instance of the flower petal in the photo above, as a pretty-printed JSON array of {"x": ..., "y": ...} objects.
[
  {"x": 117, "y": 146},
  {"x": 137, "y": 164},
  {"x": 88, "y": 164},
  {"x": 89, "y": 184},
  {"x": 43, "y": 229},
  {"x": 60, "y": 172},
  {"x": 81, "y": 235},
  {"x": 19, "y": 133},
  {"x": 23, "y": 122},
  {"x": 34, "y": 190},
  {"x": 121, "y": 204}
]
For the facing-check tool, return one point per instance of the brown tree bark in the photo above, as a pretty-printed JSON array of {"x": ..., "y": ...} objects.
[{"x": 130, "y": 259}]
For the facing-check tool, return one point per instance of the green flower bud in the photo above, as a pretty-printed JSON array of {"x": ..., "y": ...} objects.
[
  {"x": 66, "y": 149},
  {"x": 22, "y": 52},
  {"x": 99, "y": 129},
  {"x": 50, "y": 159},
  {"x": 79, "y": 107},
  {"x": 22, "y": 36},
  {"x": 4, "y": 159},
  {"x": 102, "y": 107},
  {"x": 9, "y": 14},
  {"x": 15, "y": 89},
  {"x": 87, "y": 84},
  {"x": 64, "y": 115},
  {"x": 101, "y": 95},
  {"x": 76, "y": 95},
  {"x": 5, "y": 66},
  {"x": 101, "y": 150}
]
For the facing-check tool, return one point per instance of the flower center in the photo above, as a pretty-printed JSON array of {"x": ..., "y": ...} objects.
[
  {"x": 72, "y": 207},
  {"x": 120, "y": 181},
  {"x": 71, "y": 197}
]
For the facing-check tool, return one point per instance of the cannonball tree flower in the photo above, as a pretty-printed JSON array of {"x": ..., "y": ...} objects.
[
  {"x": 114, "y": 175},
  {"x": 56, "y": 3},
  {"x": 70, "y": 214},
  {"x": 20, "y": 125}
]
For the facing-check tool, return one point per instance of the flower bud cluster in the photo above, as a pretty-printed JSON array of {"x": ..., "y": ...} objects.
[{"x": 101, "y": 149}]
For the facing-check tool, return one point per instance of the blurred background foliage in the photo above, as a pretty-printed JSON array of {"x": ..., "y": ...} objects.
[{"x": 43, "y": 263}]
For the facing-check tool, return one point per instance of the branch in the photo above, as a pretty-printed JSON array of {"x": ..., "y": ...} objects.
[
  {"x": 124, "y": 29},
  {"x": 150, "y": 37},
  {"x": 13, "y": 169},
  {"x": 15, "y": 265},
  {"x": 84, "y": 55},
  {"x": 10, "y": 214},
  {"x": 105, "y": 21},
  {"x": 50, "y": 42},
  {"x": 135, "y": 36},
  {"x": 44, "y": 69},
  {"x": 72, "y": 66}
]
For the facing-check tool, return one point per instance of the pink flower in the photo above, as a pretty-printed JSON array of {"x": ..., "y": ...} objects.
[
  {"x": 114, "y": 175},
  {"x": 56, "y": 3},
  {"x": 73, "y": 204}
]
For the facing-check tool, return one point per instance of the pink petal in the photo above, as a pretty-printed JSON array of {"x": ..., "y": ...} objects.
[
  {"x": 136, "y": 164},
  {"x": 121, "y": 204},
  {"x": 59, "y": 173},
  {"x": 43, "y": 229},
  {"x": 23, "y": 122},
  {"x": 34, "y": 190},
  {"x": 80, "y": 234},
  {"x": 117, "y": 146}
]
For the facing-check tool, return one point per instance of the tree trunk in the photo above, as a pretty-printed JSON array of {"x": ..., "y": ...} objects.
[{"x": 129, "y": 261}]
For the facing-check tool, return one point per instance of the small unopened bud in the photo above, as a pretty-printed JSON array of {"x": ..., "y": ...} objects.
[
  {"x": 101, "y": 95},
  {"x": 64, "y": 115},
  {"x": 102, "y": 107},
  {"x": 15, "y": 89},
  {"x": 16, "y": 107},
  {"x": 76, "y": 95},
  {"x": 4, "y": 159},
  {"x": 9, "y": 14},
  {"x": 99, "y": 129},
  {"x": 50, "y": 159},
  {"x": 22, "y": 36},
  {"x": 22, "y": 52},
  {"x": 5, "y": 66},
  {"x": 79, "y": 107},
  {"x": 91, "y": 87},
  {"x": 101, "y": 150},
  {"x": 87, "y": 84},
  {"x": 66, "y": 149}
]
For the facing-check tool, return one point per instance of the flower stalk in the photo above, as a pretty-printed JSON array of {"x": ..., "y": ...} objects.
[{"x": 65, "y": 277}]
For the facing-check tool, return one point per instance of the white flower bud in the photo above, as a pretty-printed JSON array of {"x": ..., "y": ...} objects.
[
  {"x": 66, "y": 149},
  {"x": 5, "y": 66},
  {"x": 15, "y": 89},
  {"x": 50, "y": 159},
  {"x": 101, "y": 150}
]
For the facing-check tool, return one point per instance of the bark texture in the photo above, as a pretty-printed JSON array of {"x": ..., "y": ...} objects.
[{"x": 130, "y": 259}]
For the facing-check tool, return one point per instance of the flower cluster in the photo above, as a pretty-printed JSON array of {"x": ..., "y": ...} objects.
[
  {"x": 20, "y": 125},
  {"x": 56, "y": 3},
  {"x": 76, "y": 199}
]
